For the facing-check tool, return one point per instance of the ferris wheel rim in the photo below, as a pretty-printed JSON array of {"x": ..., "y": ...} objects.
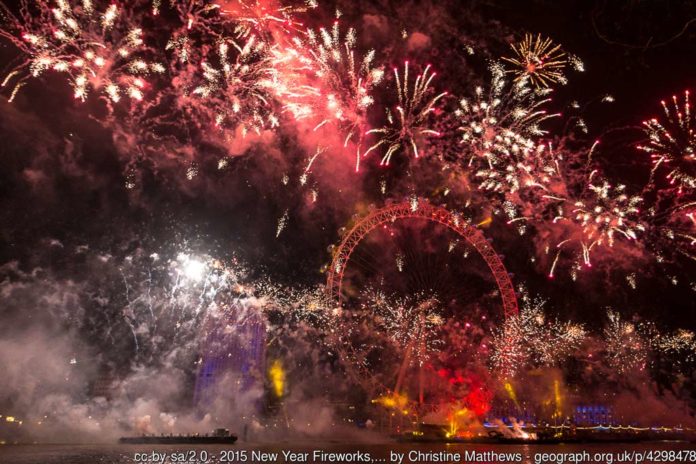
[{"x": 420, "y": 209}]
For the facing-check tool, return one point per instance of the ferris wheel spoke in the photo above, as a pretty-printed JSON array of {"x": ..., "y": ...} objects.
[{"x": 405, "y": 271}]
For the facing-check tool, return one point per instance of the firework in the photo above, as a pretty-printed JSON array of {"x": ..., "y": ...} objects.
[
  {"x": 291, "y": 310},
  {"x": 526, "y": 186},
  {"x": 532, "y": 339},
  {"x": 314, "y": 304},
  {"x": 604, "y": 214},
  {"x": 236, "y": 87},
  {"x": 282, "y": 223},
  {"x": 200, "y": 26},
  {"x": 96, "y": 48},
  {"x": 500, "y": 123},
  {"x": 173, "y": 292},
  {"x": 531, "y": 171},
  {"x": 252, "y": 17},
  {"x": 509, "y": 353},
  {"x": 679, "y": 346},
  {"x": 346, "y": 82},
  {"x": 410, "y": 323},
  {"x": 388, "y": 335},
  {"x": 672, "y": 147},
  {"x": 411, "y": 119},
  {"x": 613, "y": 212},
  {"x": 502, "y": 152},
  {"x": 198, "y": 15},
  {"x": 672, "y": 144},
  {"x": 626, "y": 349},
  {"x": 674, "y": 227},
  {"x": 322, "y": 79},
  {"x": 538, "y": 59}
]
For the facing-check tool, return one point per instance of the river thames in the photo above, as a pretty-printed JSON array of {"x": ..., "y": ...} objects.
[{"x": 326, "y": 452}]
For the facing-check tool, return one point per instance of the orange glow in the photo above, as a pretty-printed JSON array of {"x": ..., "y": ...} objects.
[{"x": 277, "y": 376}]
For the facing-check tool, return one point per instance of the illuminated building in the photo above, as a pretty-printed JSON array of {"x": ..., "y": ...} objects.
[
  {"x": 593, "y": 415},
  {"x": 232, "y": 357}
]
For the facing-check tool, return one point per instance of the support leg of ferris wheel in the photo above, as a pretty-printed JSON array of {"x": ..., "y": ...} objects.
[
  {"x": 421, "y": 377},
  {"x": 404, "y": 367},
  {"x": 420, "y": 383},
  {"x": 421, "y": 351}
]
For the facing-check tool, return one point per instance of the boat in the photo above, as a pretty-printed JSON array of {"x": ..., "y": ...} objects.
[{"x": 218, "y": 437}]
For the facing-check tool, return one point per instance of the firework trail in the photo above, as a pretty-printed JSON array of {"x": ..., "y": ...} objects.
[
  {"x": 411, "y": 120},
  {"x": 282, "y": 223},
  {"x": 673, "y": 228},
  {"x": 166, "y": 297},
  {"x": 95, "y": 45},
  {"x": 196, "y": 17}
]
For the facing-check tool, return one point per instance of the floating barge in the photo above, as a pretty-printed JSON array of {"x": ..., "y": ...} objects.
[{"x": 218, "y": 437}]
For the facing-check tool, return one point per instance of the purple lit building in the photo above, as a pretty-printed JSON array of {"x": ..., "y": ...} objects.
[{"x": 232, "y": 356}]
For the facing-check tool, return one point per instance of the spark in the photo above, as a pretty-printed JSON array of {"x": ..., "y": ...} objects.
[
  {"x": 282, "y": 223},
  {"x": 413, "y": 202},
  {"x": 400, "y": 262},
  {"x": 631, "y": 279},
  {"x": 192, "y": 172}
]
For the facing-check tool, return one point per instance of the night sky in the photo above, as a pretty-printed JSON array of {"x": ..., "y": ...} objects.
[{"x": 66, "y": 163}]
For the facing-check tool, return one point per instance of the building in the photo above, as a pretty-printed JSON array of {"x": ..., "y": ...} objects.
[
  {"x": 585, "y": 415},
  {"x": 232, "y": 356}
]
